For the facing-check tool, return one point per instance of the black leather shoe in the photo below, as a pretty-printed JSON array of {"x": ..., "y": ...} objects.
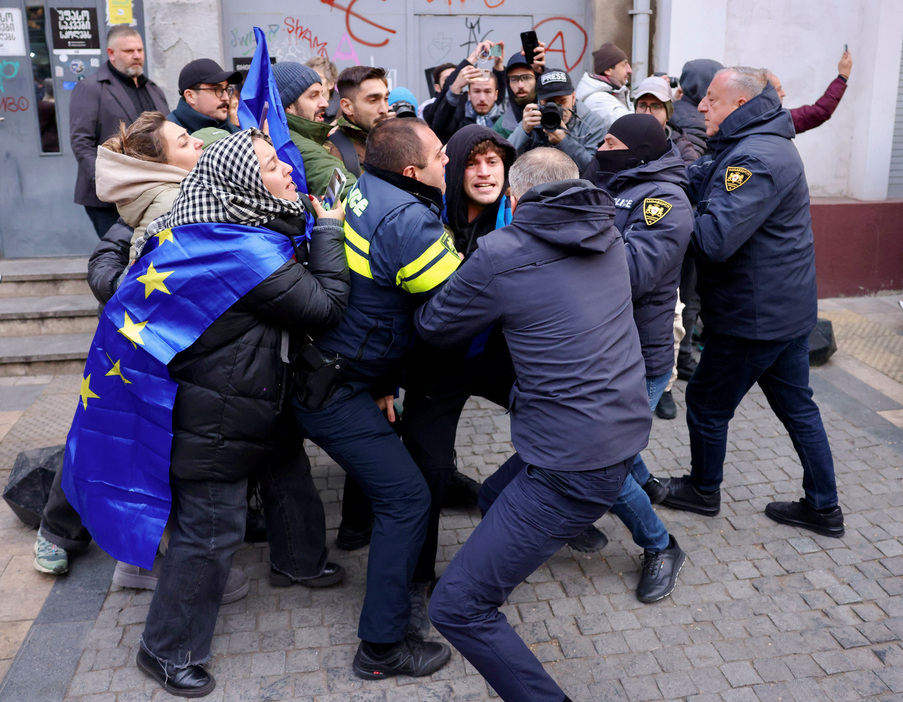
[
  {"x": 348, "y": 540},
  {"x": 656, "y": 491},
  {"x": 686, "y": 366},
  {"x": 666, "y": 409},
  {"x": 589, "y": 540},
  {"x": 659, "y": 573},
  {"x": 192, "y": 681},
  {"x": 800, "y": 514},
  {"x": 410, "y": 657},
  {"x": 332, "y": 574},
  {"x": 462, "y": 492},
  {"x": 682, "y": 495}
]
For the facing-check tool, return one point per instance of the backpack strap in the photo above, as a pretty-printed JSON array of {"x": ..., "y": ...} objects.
[{"x": 347, "y": 151}]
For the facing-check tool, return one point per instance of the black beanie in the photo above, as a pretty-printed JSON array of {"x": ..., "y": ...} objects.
[
  {"x": 606, "y": 56},
  {"x": 642, "y": 135}
]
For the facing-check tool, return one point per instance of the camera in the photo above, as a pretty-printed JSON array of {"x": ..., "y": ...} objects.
[
  {"x": 672, "y": 81},
  {"x": 550, "y": 116},
  {"x": 404, "y": 109}
]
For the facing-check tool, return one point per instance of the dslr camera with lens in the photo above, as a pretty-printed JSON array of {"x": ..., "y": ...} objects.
[
  {"x": 404, "y": 109},
  {"x": 550, "y": 116}
]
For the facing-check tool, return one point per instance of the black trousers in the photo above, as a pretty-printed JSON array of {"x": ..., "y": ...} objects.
[{"x": 692, "y": 303}]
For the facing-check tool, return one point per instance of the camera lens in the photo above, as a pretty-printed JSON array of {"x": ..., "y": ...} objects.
[
  {"x": 550, "y": 116},
  {"x": 404, "y": 109}
]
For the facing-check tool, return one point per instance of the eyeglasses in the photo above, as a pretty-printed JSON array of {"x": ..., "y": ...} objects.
[
  {"x": 524, "y": 78},
  {"x": 649, "y": 107},
  {"x": 218, "y": 90}
]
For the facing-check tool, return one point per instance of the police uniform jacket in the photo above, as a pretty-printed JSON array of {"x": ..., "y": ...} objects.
[
  {"x": 556, "y": 281},
  {"x": 753, "y": 231},
  {"x": 655, "y": 218},
  {"x": 398, "y": 252}
]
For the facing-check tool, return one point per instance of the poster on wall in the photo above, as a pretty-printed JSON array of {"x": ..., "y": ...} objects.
[
  {"x": 74, "y": 30},
  {"x": 12, "y": 34},
  {"x": 120, "y": 12}
]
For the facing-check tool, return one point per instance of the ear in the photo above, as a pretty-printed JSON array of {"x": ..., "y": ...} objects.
[
  {"x": 109, "y": 53},
  {"x": 410, "y": 172},
  {"x": 347, "y": 107},
  {"x": 513, "y": 200},
  {"x": 189, "y": 96},
  {"x": 741, "y": 101}
]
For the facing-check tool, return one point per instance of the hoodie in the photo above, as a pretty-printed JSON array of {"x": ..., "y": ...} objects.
[
  {"x": 556, "y": 281},
  {"x": 753, "y": 230},
  {"x": 141, "y": 190},
  {"x": 694, "y": 82},
  {"x": 458, "y": 149}
]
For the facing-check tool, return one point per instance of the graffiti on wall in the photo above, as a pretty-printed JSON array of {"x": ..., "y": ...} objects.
[
  {"x": 8, "y": 71},
  {"x": 362, "y": 21},
  {"x": 298, "y": 33},
  {"x": 14, "y": 104},
  {"x": 245, "y": 41},
  {"x": 568, "y": 39}
]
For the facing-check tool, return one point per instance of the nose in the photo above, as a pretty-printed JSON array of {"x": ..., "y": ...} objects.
[
  {"x": 703, "y": 105},
  {"x": 197, "y": 143}
]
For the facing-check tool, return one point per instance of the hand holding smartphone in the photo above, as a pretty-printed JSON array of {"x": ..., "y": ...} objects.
[
  {"x": 529, "y": 43},
  {"x": 334, "y": 189}
]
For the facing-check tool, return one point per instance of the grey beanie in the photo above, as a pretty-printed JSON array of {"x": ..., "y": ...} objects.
[{"x": 293, "y": 79}]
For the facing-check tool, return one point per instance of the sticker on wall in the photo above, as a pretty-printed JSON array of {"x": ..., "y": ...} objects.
[
  {"x": 74, "y": 30},
  {"x": 12, "y": 33},
  {"x": 95, "y": 63},
  {"x": 77, "y": 66},
  {"x": 58, "y": 71},
  {"x": 69, "y": 84},
  {"x": 119, "y": 12}
]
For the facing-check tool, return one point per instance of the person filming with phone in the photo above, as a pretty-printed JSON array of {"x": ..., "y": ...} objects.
[
  {"x": 559, "y": 121},
  {"x": 483, "y": 85}
]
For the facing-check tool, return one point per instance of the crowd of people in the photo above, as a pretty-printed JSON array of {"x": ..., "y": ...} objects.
[{"x": 544, "y": 246}]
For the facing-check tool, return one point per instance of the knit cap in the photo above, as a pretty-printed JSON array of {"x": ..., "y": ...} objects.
[
  {"x": 606, "y": 56},
  {"x": 293, "y": 79}
]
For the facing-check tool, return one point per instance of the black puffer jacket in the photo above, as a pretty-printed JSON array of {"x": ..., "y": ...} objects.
[
  {"x": 108, "y": 260},
  {"x": 233, "y": 380}
]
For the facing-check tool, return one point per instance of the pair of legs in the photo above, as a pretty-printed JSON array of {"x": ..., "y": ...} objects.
[
  {"x": 353, "y": 431},
  {"x": 728, "y": 368},
  {"x": 655, "y": 386},
  {"x": 535, "y": 512},
  {"x": 208, "y": 524},
  {"x": 102, "y": 218}
]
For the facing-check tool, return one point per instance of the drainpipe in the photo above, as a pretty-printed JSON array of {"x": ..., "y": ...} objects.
[
  {"x": 640, "y": 54},
  {"x": 661, "y": 49}
]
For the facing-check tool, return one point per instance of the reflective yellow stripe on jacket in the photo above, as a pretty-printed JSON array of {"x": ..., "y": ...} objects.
[
  {"x": 431, "y": 268},
  {"x": 357, "y": 250}
]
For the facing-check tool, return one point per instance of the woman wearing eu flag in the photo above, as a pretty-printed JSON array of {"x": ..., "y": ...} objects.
[{"x": 184, "y": 387}]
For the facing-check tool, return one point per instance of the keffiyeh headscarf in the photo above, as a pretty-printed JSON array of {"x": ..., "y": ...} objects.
[{"x": 225, "y": 186}]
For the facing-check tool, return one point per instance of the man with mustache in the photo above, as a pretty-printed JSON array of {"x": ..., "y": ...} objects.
[
  {"x": 205, "y": 89},
  {"x": 364, "y": 101},
  {"x": 305, "y": 102}
]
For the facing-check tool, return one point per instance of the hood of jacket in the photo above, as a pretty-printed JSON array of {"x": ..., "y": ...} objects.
[
  {"x": 457, "y": 150},
  {"x": 761, "y": 115},
  {"x": 695, "y": 79},
  {"x": 132, "y": 184},
  {"x": 669, "y": 168},
  {"x": 589, "y": 85},
  {"x": 315, "y": 131},
  {"x": 573, "y": 214}
]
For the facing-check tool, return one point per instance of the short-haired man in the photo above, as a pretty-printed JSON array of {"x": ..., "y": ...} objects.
[
  {"x": 205, "y": 89},
  {"x": 753, "y": 238},
  {"x": 440, "y": 73},
  {"x": 482, "y": 104},
  {"x": 575, "y": 130},
  {"x": 363, "y": 103},
  {"x": 521, "y": 88},
  {"x": 808, "y": 117},
  {"x": 605, "y": 91},
  {"x": 118, "y": 92},
  {"x": 399, "y": 255},
  {"x": 304, "y": 100},
  {"x": 579, "y": 414}
]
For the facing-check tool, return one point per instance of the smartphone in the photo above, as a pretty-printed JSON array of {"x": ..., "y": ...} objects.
[
  {"x": 496, "y": 50},
  {"x": 334, "y": 189},
  {"x": 845, "y": 49},
  {"x": 530, "y": 43},
  {"x": 485, "y": 74}
]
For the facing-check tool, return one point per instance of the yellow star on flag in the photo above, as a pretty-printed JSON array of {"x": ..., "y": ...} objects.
[
  {"x": 116, "y": 370},
  {"x": 132, "y": 331},
  {"x": 86, "y": 393},
  {"x": 164, "y": 236},
  {"x": 153, "y": 280}
]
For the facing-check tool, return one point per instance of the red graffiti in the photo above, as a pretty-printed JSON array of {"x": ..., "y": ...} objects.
[
  {"x": 14, "y": 104},
  {"x": 299, "y": 32},
  {"x": 559, "y": 38},
  {"x": 489, "y": 3},
  {"x": 349, "y": 13}
]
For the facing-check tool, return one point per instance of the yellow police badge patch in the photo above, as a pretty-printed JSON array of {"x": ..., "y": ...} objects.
[
  {"x": 654, "y": 209},
  {"x": 448, "y": 241},
  {"x": 735, "y": 176}
]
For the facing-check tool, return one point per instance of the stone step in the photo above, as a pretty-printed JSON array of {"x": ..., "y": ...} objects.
[
  {"x": 53, "y": 314},
  {"x": 31, "y": 277},
  {"x": 44, "y": 355}
]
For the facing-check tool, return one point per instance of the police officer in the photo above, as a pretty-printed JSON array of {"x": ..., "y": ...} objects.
[
  {"x": 399, "y": 253},
  {"x": 753, "y": 239}
]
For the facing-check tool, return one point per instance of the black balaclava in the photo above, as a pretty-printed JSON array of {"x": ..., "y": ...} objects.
[{"x": 645, "y": 140}]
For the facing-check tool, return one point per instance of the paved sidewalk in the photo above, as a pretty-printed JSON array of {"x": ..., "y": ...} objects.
[{"x": 761, "y": 611}]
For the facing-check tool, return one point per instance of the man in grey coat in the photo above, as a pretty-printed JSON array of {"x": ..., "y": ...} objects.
[{"x": 118, "y": 92}]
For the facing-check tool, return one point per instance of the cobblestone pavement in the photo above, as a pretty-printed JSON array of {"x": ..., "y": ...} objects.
[{"x": 761, "y": 611}]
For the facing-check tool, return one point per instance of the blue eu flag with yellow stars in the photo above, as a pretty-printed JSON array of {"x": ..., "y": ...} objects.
[{"x": 116, "y": 468}]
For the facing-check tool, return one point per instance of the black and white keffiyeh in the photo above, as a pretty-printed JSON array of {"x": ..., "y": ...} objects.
[{"x": 225, "y": 186}]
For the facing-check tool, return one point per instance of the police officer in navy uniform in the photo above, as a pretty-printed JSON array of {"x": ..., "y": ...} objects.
[
  {"x": 753, "y": 239},
  {"x": 399, "y": 253}
]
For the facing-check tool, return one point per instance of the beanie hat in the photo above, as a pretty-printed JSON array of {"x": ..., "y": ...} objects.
[
  {"x": 403, "y": 95},
  {"x": 606, "y": 56},
  {"x": 642, "y": 135},
  {"x": 292, "y": 79},
  {"x": 657, "y": 87}
]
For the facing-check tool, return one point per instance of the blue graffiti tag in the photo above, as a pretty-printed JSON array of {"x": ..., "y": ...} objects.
[{"x": 5, "y": 67}]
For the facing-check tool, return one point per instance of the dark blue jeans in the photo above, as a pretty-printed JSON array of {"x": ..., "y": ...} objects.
[
  {"x": 102, "y": 218},
  {"x": 728, "y": 368},
  {"x": 533, "y": 516},
  {"x": 353, "y": 431}
]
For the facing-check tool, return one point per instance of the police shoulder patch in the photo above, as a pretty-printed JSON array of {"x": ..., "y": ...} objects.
[
  {"x": 448, "y": 241},
  {"x": 654, "y": 209},
  {"x": 735, "y": 176}
]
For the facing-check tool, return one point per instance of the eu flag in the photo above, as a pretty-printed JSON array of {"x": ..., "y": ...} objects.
[{"x": 116, "y": 466}]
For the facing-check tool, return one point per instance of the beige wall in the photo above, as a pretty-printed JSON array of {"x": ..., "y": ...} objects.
[{"x": 613, "y": 23}]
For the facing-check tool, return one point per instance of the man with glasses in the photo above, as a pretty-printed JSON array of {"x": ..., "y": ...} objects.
[
  {"x": 205, "y": 89},
  {"x": 653, "y": 96},
  {"x": 521, "y": 88}
]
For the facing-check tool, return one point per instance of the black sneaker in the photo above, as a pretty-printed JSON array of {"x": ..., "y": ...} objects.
[
  {"x": 682, "y": 495},
  {"x": 666, "y": 409},
  {"x": 410, "y": 657},
  {"x": 348, "y": 540},
  {"x": 192, "y": 681},
  {"x": 660, "y": 572},
  {"x": 800, "y": 514},
  {"x": 332, "y": 574},
  {"x": 589, "y": 540},
  {"x": 656, "y": 491}
]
